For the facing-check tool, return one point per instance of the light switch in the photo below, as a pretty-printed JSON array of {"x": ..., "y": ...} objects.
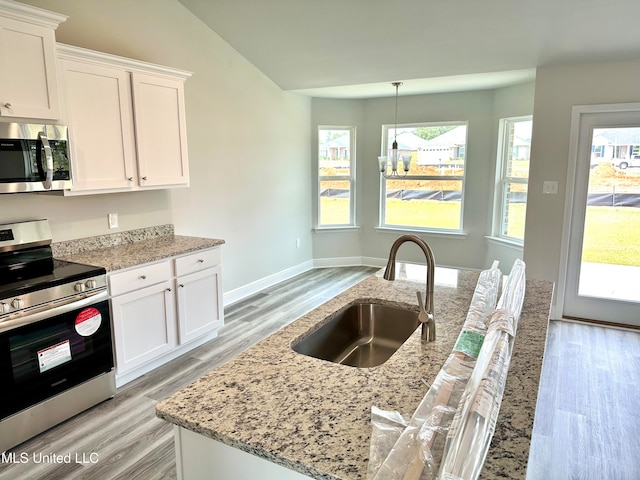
[{"x": 550, "y": 187}]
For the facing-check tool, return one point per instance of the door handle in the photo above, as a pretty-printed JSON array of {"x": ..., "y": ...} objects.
[{"x": 46, "y": 168}]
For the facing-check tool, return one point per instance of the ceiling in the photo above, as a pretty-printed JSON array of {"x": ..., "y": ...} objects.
[{"x": 356, "y": 48}]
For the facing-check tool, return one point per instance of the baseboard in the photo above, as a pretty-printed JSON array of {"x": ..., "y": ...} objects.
[
  {"x": 239, "y": 293},
  {"x": 245, "y": 291},
  {"x": 349, "y": 262}
]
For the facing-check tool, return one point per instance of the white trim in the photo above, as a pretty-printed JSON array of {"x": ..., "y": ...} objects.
[
  {"x": 384, "y": 148},
  {"x": 78, "y": 53},
  {"x": 239, "y": 293},
  {"x": 336, "y": 228},
  {"x": 351, "y": 177},
  {"x": 499, "y": 207},
  {"x": 30, "y": 14},
  {"x": 576, "y": 117},
  {"x": 506, "y": 242},
  {"x": 457, "y": 234},
  {"x": 349, "y": 262}
]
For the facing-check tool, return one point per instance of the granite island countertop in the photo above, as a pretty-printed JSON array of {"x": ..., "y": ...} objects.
[
  {"x": 313, "y": 416},
  {"x": 131, "y": 248}
]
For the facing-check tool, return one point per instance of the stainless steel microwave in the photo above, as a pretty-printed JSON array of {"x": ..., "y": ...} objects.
[{"x": 34, "y": 158}]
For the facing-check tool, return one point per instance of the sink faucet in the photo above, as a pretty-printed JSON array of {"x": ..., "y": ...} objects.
[{"x": 428, "y": 322}]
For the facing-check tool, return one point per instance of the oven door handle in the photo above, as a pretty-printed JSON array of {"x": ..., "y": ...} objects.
[{"x": 47, "y": 311}]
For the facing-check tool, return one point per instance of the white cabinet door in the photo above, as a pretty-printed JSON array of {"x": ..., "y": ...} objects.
[
  {"x": 144, "y": 325},
  {"x": 28, "y": 85},
  {"x": 200, "y": 308},
  {"x": 100, "y": 117},
  {"x": 160, "y": 129}
]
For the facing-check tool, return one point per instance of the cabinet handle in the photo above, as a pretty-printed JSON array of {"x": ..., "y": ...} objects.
[
  {"x": 200, "y": 260},
  {"x": 144, "y": 178},
  {"x": 181, "y": 285},
  {"x": 168, "y": 289},
  {"x": 143, "y": 277},
  {"x": 7, "y": 105},
  {"x": 130, "y": 179}
]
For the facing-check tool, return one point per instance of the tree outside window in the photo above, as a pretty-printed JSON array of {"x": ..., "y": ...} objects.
[{"x": 430, "y": 196}]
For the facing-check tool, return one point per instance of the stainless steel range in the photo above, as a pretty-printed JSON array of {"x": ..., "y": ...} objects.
[{"x": 56, "y": 353}]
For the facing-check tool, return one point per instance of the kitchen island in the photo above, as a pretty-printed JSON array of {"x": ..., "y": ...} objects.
[{"x": 313, "y": 417}]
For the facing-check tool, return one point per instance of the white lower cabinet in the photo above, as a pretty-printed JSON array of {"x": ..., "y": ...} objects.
[
  {"x": 199, "y": 312},
  {"x": 162, "y": 310},
  {"x": 144, "y": 325}
]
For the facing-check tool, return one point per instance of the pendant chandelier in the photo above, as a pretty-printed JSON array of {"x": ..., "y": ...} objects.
[{"x": 392, "y": 153}]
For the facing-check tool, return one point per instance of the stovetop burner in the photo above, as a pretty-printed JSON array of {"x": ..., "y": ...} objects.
[
  {"x": 30, "y": 276},
  {"x": 63, "y": 272}
]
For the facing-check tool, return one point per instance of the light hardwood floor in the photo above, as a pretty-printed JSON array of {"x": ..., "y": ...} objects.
[
  {"x": 587, "y": 423},
  {"x": 586, "y": 427}
]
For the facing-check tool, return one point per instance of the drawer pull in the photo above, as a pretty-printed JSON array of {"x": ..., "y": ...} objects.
[
  {"x": 143, "y": 277},
  {"x": 181, "y": 285},
  {"x": 200, "y": 260},
  {"x": 7, "y": 105}
]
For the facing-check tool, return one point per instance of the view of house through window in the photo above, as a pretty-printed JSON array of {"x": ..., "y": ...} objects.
[
  {"x": 336, "y": 176},
  {"x": 610, "y": 247},
  {"x": 430, "y": 195},
  {"x": 513, "y": 172}
]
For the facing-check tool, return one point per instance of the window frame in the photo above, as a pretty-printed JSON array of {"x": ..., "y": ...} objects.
[
  {"x": 386, "y": 128},
  {"x": 351, "y": 178},
  {"x": 502, "y": 181}
]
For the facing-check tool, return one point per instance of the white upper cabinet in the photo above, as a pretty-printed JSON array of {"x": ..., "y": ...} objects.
[
  {"x": 126, "y": 122},
  {"x": 98, "y": 106},
  {"x": 161, "y": 136},
  {"x": 28, "y": 80}
]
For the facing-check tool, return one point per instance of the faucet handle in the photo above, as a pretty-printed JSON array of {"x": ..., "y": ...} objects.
[
  {"x": 420, "y": 301},
  {"x": 423, "y": 316}
]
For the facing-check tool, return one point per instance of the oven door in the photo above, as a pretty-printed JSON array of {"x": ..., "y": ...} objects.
[{"x": 42, "y": 358}]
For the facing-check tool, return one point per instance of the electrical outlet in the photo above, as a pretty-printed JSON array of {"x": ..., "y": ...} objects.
[
  {"x": 113, "y": 220},
  {"x": 550, "y": 187}
]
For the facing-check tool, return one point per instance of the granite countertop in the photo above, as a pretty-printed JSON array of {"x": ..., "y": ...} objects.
[
  {"x": 128, "y": 249},
  {"x": 313, "y": 416}
]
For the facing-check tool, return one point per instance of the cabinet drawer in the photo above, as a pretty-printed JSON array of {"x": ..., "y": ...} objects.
[
  {"x": 139, "y": 277},
  {"x": 197, "y": 261}
]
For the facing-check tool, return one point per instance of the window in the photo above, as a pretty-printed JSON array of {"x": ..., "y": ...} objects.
[
  {"x": 336, "y": 176},
  {"x": 513, "y": 173},
  {"x": 430, "y": 196}
]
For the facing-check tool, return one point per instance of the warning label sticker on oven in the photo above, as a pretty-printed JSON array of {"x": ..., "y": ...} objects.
[
  {"x": 53, "y": 356},
  {"x": 88, "y": 321}
]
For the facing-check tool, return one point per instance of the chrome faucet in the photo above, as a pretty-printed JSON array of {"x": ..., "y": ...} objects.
[{"x": 427, "y": 320}]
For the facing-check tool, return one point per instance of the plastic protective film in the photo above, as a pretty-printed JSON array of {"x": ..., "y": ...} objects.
[
  {"x": 414, "y": 449},
  {"x": 474, "y": 424}
]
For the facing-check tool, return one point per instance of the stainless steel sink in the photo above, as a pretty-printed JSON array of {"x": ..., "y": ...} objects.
[{"x": 363, "y": 335}]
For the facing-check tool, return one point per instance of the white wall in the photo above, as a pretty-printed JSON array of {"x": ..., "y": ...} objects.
[
  {"x": 508, "y": 102},
  {"x": 481, "y": 109},
  {"x": 558, "y": 89},
  {"x": 331, "y": 245},
  {"x": 248, "y": 144}
]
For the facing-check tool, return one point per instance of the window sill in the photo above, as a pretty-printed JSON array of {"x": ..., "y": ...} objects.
[
  {"x": 432, "y": 233},
  {"x": 505, "y": 242},
  {"x": 333, "y": 229}
]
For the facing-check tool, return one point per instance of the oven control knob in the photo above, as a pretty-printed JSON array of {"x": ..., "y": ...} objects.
[
  {"x": 4, "y": 307},
  {"x": 79, "y": 287},
  {"x": 17, "y": 303},
  {"x": 91, "y": 283}
]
